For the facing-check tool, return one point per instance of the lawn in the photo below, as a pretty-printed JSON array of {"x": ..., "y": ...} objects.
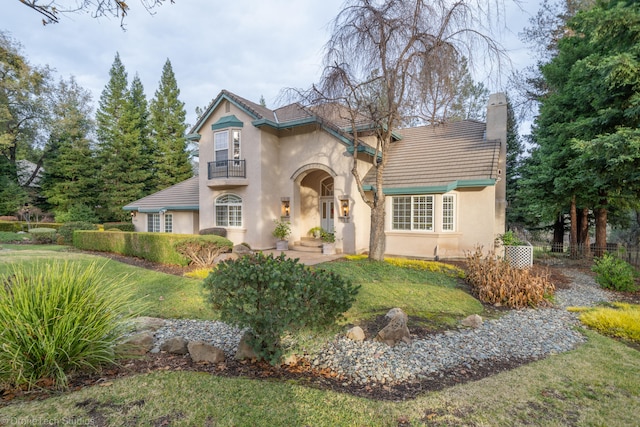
[{"x": 596, "y": 384}]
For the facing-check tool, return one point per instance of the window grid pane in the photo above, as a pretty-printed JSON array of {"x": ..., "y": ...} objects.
[
  {"x": 153, "y": 223},
  {"x": 401, "y": 213},
  {"x": 168, "y": 223},
  {"x": 448, "y": 213},
  {"x": 221, "y": 141},
  {"x": 221, "y": 216},
  {"x": 229, "y": 211}
]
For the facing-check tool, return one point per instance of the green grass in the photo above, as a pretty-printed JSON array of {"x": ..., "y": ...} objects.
[
  {"x": 8, "y": 236},
  {"x": 434, "y": 297},
  {"x": 595, "y": 385},
  {"x": 163, "y": 295}
]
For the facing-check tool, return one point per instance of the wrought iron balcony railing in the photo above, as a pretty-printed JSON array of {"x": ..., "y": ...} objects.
[{"x": 227, "y": 169}]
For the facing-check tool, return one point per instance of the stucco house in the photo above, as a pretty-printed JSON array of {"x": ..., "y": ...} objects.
[{"x": 444, "y": 183}]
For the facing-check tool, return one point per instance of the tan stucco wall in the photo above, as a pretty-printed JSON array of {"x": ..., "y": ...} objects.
[
  {"x": 184, "y": 222},
  {"x": 474, "y": 226}
]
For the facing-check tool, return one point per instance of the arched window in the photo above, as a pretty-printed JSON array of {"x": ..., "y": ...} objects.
[{"x": 229, "y": 211}]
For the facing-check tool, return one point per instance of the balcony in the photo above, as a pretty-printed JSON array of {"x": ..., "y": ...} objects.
[{"x": 227, "y": 174}]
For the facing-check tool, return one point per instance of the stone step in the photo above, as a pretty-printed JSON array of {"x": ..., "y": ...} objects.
[
  {"x": 300, "y": 248},
  {"x": 309, "y": 242}
]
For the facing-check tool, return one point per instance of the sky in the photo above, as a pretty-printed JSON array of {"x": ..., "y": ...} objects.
[{"x": 252, "y": 48}]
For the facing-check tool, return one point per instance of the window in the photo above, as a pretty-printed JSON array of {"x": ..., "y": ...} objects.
[
  {"x": 153, "y": 222},
  {"x": 412, "y": 213},
  {"x": 448, "y": 212},
  {"x": 229, "y": 211},
  {"x": 236, "y": 146},
  {"x": 221, "y": 147},
  {"x": 168, "y": 223}
]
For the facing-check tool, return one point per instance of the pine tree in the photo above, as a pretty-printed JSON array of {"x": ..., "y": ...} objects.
[
  {"x": 70, "y": 169},
  {"x": 168, "y": 128}
]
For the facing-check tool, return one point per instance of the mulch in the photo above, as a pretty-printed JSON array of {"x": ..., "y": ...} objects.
[{"x": 301, "y": 371}]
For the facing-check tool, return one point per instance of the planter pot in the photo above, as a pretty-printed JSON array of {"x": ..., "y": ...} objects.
[
  {"x": 519, "y": 256},
  {"x": 329, "y": 248},
  {"x": 282, "y": 245}
]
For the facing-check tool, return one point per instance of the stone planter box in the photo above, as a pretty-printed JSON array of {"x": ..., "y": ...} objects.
[
  {"x": 282, "y": 245},
  {"x": 519, "y": 256},
  {"x": 329, "y": 248}
]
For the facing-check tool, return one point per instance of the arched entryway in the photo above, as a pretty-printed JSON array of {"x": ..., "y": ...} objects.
[{"x": 314, "y": 197}]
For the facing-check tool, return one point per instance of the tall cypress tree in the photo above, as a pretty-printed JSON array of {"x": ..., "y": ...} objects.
[
  {"x": 70, "y": 169},
  {"x": 168, "y": 128}
]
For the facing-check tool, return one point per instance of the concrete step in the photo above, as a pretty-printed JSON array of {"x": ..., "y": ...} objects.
[
  {"x": 300, "y": 248},
  {"x": 309, "y": 242}
]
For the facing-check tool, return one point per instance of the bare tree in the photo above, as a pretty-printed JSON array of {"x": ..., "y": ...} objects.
[
  {"x": 374, "y": 61},
  {"x": 51, "y": 10}
]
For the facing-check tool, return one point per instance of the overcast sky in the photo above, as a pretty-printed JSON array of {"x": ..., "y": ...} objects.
[{"x": 250, "y": 47}]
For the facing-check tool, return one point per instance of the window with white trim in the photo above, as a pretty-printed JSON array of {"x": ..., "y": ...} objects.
[
  {"x": 221, "y": 148},
  {"x": 228, "y": 211},
  {"x": 236, "y": 145},
  {"x": 168, "y": 223},
  {"x": 153, "y": 222},
  {"x": 412, "y": 213},
  {"x": 448, "y": 212}
]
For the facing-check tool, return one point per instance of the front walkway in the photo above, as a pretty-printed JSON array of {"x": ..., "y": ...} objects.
[{"x": 306, "y": 258}]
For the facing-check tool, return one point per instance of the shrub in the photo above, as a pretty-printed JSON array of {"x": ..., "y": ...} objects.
[
  {"x": 58, "y": 318},
  {"x": 203, "y": 251},
  {"x": 9, "y": 237},
  {"x": 510, "y": 239},
  {"x": 122, "y": 226},
  {"x": 156, "y": 247},
  {"x": 282, "y": 229},
  {"x": 495, "y": 281},
  {"x": 43, "y": 235},
  {"x": 199, "y": 273},
  {"x": 13, "y": 226},
  {"x": 67, "y": 229},
  {"x": 78, "y": 212},
  {"x": 619, "y": 320},
  {"x": 614, "y": 273},
  {"x": 274, "y": 295}
]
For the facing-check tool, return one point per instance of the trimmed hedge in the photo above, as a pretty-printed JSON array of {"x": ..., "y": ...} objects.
[
  {"x": 15, "y": 226},
  {"x": 156, "y": 247},
  {"x": 122, "y": 226}
]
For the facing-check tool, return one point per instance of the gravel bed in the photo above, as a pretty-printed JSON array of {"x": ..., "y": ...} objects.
[{"x": 519, "y": 335}]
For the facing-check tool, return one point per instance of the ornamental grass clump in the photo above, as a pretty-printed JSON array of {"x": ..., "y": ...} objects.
[
  {"x": 59, "y": 318},
  {"x": 495, "y": 281},
  {"x": 273, "y": 295}
]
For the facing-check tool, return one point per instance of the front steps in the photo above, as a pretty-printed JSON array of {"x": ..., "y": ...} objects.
[{"x": 308, "y": 244}]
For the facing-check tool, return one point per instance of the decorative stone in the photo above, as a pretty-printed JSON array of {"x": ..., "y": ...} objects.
[
  {"x": 396, "y": 330},
  {"x": 241, "y": 250},
  {"x": 396, "y": 311},
  {"x": 203, "y": 352},
  {"x": 473, "y": 321},
  {"x": 175, "y": 345},
  {"x": 135, "y": 345},
  {"x": 146, "y": 323},
  {"x": 244, "y": 349},
  {"x": 226, "y": 257},
  {"x": 356, "y": 334},
  {"x": 291, "y": 360}
]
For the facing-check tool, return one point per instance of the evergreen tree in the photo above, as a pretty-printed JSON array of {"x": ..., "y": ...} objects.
[
  {"x": 70, "y": 169},
  {"x": 168, "y": 128},
  {"x": 515, "y": 150}
]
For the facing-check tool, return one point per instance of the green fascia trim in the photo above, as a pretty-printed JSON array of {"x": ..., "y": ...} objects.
[
  {"x": 227, "y": 122},
  {"x": 436, "y": 189},
  {"x": 212, "y": 108},
  {"x": 396, "y": 136},
  {"x": 194, "y": 137},
  {"x": 165, "y": 208},
  {"x": 294, "y": 123},
  {"x": 365, "y": 149}
]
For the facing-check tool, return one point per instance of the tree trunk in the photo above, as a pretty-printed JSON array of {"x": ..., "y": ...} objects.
[
  {"x": 377, "y": 238},
  {"x": 573, "y": 239},
  {"x": 601, "y": 226},
  {"x": 558, "y": 234},
  {"x": 584, "y": 233}
]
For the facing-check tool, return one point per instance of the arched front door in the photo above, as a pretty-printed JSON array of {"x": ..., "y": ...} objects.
[{"x": 326, "y": 204}]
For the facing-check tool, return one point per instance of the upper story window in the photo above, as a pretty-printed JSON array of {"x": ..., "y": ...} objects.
[
  {"x": 236, "y": 144},
  {"x": 221, "y": 147},
  {"x": 229, "y": 211}
]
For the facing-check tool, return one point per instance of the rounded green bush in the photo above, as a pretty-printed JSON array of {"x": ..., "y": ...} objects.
[
  {"x": 58, "y": 318},
  {"x": 274, "y": 295},
  {"x": 614, "y": 273}
]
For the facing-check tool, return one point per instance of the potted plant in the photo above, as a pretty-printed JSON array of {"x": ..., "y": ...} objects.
[
  {"x": 315, "y": 232},
  {"x": 282, "y": 232},
  {"x": 328, "y": 242},
  {"x": 519, "y": 253}
]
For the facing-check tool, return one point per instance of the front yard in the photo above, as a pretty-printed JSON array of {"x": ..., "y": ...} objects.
[{"x": 596, "y": 384}]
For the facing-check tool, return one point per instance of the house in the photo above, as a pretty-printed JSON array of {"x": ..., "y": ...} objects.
[{"x": 444, "y": 183}]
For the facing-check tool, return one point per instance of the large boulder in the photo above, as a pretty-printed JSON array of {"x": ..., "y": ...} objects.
[
  {"x": 175, "y": 345},
  {"x": 473, "y": 321},
  {"x": 396, "y": 330},
  {"x": 244, "y": 349},
  {"x": 242, "y": 250},
  {"x": 203, "y": 352},
  {"x": 135, "y": 345},
  {"x": 145, "y": 323},
  {"x": 356, "y": 334}
]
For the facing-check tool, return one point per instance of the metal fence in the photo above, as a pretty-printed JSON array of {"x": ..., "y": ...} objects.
[{"x": 631, "y": 254}]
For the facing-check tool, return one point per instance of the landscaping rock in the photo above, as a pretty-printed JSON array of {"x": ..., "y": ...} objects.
[
  {"x": 135, "y": 345},
  {"x": 244, "y": 349},
  {"x": 291, "y": 360},
  {"x": 396, "y": 311},
  {"x": 226, "y": 257},
  {"x": 242, "y": 250},
  {"x": 203, "y": 352},
  {"x": 146, "y": 323},
  {"x": 356, "y": 334},
  {"x": 396, "y": 330},
  {"x": 175, "y": 345},
  {"x": 473, "y": 321}
]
